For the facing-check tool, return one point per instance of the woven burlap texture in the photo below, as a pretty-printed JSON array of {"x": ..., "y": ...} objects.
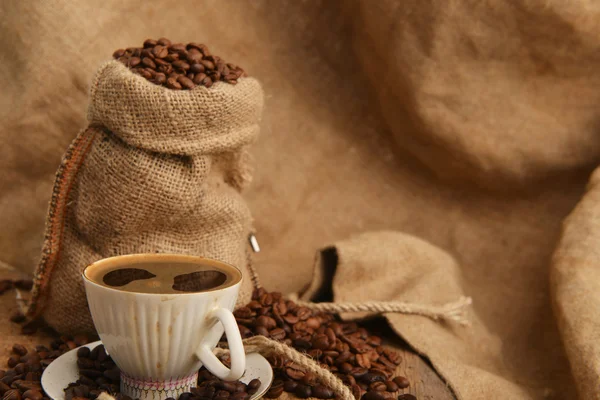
[
  {"x": 156, "y": 171},
  {"x": 471, "y": 125}
]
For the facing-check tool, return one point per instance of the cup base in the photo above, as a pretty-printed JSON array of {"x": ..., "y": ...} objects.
[{"x": 154, "y": 389}]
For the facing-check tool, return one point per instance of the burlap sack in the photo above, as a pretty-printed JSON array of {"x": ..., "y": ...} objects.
[
  {"x": 575, "y": 286},
  {"x": 155, "y": 171},
  {"x": 386, "y": 266}
]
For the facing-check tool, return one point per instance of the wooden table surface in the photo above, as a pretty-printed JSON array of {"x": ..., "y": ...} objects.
[{"x": 425, "y": 383}]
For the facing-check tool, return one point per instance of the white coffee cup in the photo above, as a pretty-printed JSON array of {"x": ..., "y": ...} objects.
[{"x": 159, "y": 341}]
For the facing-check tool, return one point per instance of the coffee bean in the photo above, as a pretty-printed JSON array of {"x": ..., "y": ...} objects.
[
  {"x": 346, "y": 368},
  {"x": 197, "y": 68},
  {"x": 21, "y": 368},
  {"x": 295, "y": 372},
  {"x": 134, "y": 61},
  {"x": 3, "y": 388},
  {"x": 78, "y": 391},
  {"x": 194, "y": 57},
  {"x": 160, "y": 51},
  {"x": 303, "y": 313},
  {"x": 19, "y": 349},
  {"x": 83, "y": 352},
  {"x": 322, "y": 392},
  {"x": 393, "y": 356},
  {"x": 209, "y": 65},
  {"x": 267, "y": 322},
  {"x": 391, "y": 386},
  {"x": 356, "y": 391},
  {"x": 164, "y": 42},
  {"x": 13, "y": 361},
  {"x": 12, "y": 394},
  {"x": 302, "y": 344},
  {"x": 358, "y": 372},
  {"x": 193, "y": 45},
  {"x": 33, "y": 395},
  {"x": 215, "y": 76},
  {"x": 313, "y": 323},
  {"x": 178, "y": 48},
  {"x": 186, "y": 82},
  {"x": 363, "y": 361},
  {"x": 276, "y": 389},
  {"x": 402, "y": 382},
  {"x": 160, "y": 78},
  {"x": 91, "y": 373},
  {"x": 118, "y": 53},
  {"x": 290, "y": 319},
  {"x": 290, "y": 386},
  {"x": 147, "y": 53},
  {"x": 373, "y": 395},
  {"x": 17, "y": 317},
  {"x": 182, "y": 65},
  {"x": 172, "y": 57},
  {"x": 320, "y": 342},
  {"x": 378, "y": 386},
  {"x": 147, "y": 61},
  {"x": 303, "y": 391},
  {"x": 113, "y": 375},
  {"x": 29, "y": 328},
  {"x": 199, "y": 78},
  {"x": 254, "y": 384},
  {"x": 173, "y": 84},
  {"x": 277, "y": 334},
  {"x": 406, "y": 396},
  {"x": 371, "y": 377}
]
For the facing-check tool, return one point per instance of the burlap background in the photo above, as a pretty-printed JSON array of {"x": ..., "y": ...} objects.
[{"x": 469, "y": 124}]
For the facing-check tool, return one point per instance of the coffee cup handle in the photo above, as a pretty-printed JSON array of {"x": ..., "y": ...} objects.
[{"x": 236, "y": 349}]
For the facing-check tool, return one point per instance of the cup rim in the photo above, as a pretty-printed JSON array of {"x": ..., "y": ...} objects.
[{"x": 185, "y": 257}]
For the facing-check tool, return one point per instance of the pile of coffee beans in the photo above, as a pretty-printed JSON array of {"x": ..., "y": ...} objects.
[
  {"x": 178, "y": 66},
  {"x": 98, "y": 373},
  {"x": 344, "y": 348},
  {"x": 21, "y": 381},
  {"x": 6, "y": 285},
  {"x": 211, "y": 387}
]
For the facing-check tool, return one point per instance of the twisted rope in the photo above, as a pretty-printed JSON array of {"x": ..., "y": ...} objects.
[
  {"x": 267, "y": 347},
  {"x": 455, "y": 311}
]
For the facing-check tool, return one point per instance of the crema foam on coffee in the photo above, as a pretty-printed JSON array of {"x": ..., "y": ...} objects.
[{"x": 167, "y": 276}]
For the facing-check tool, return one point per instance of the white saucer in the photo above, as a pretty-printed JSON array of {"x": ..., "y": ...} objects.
[{"x": 63, "y": 371}]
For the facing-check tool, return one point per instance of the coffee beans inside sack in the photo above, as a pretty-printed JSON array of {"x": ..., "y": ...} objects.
[
  {"x": 178, "y": 66},
  {"x": 156, "y": 170}
]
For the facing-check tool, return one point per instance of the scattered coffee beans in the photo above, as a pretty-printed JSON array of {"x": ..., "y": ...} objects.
[
  {"x": 178, "y": 66},
  {"x": 98, "y": 373},
  {"x": 18, "y": 317},
  {"x": 22, "y": 380},
  {"x": 344, "y": 348}
]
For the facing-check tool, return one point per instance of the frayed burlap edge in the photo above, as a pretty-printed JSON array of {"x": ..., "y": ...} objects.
[{"x": 55, "y": 221}]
